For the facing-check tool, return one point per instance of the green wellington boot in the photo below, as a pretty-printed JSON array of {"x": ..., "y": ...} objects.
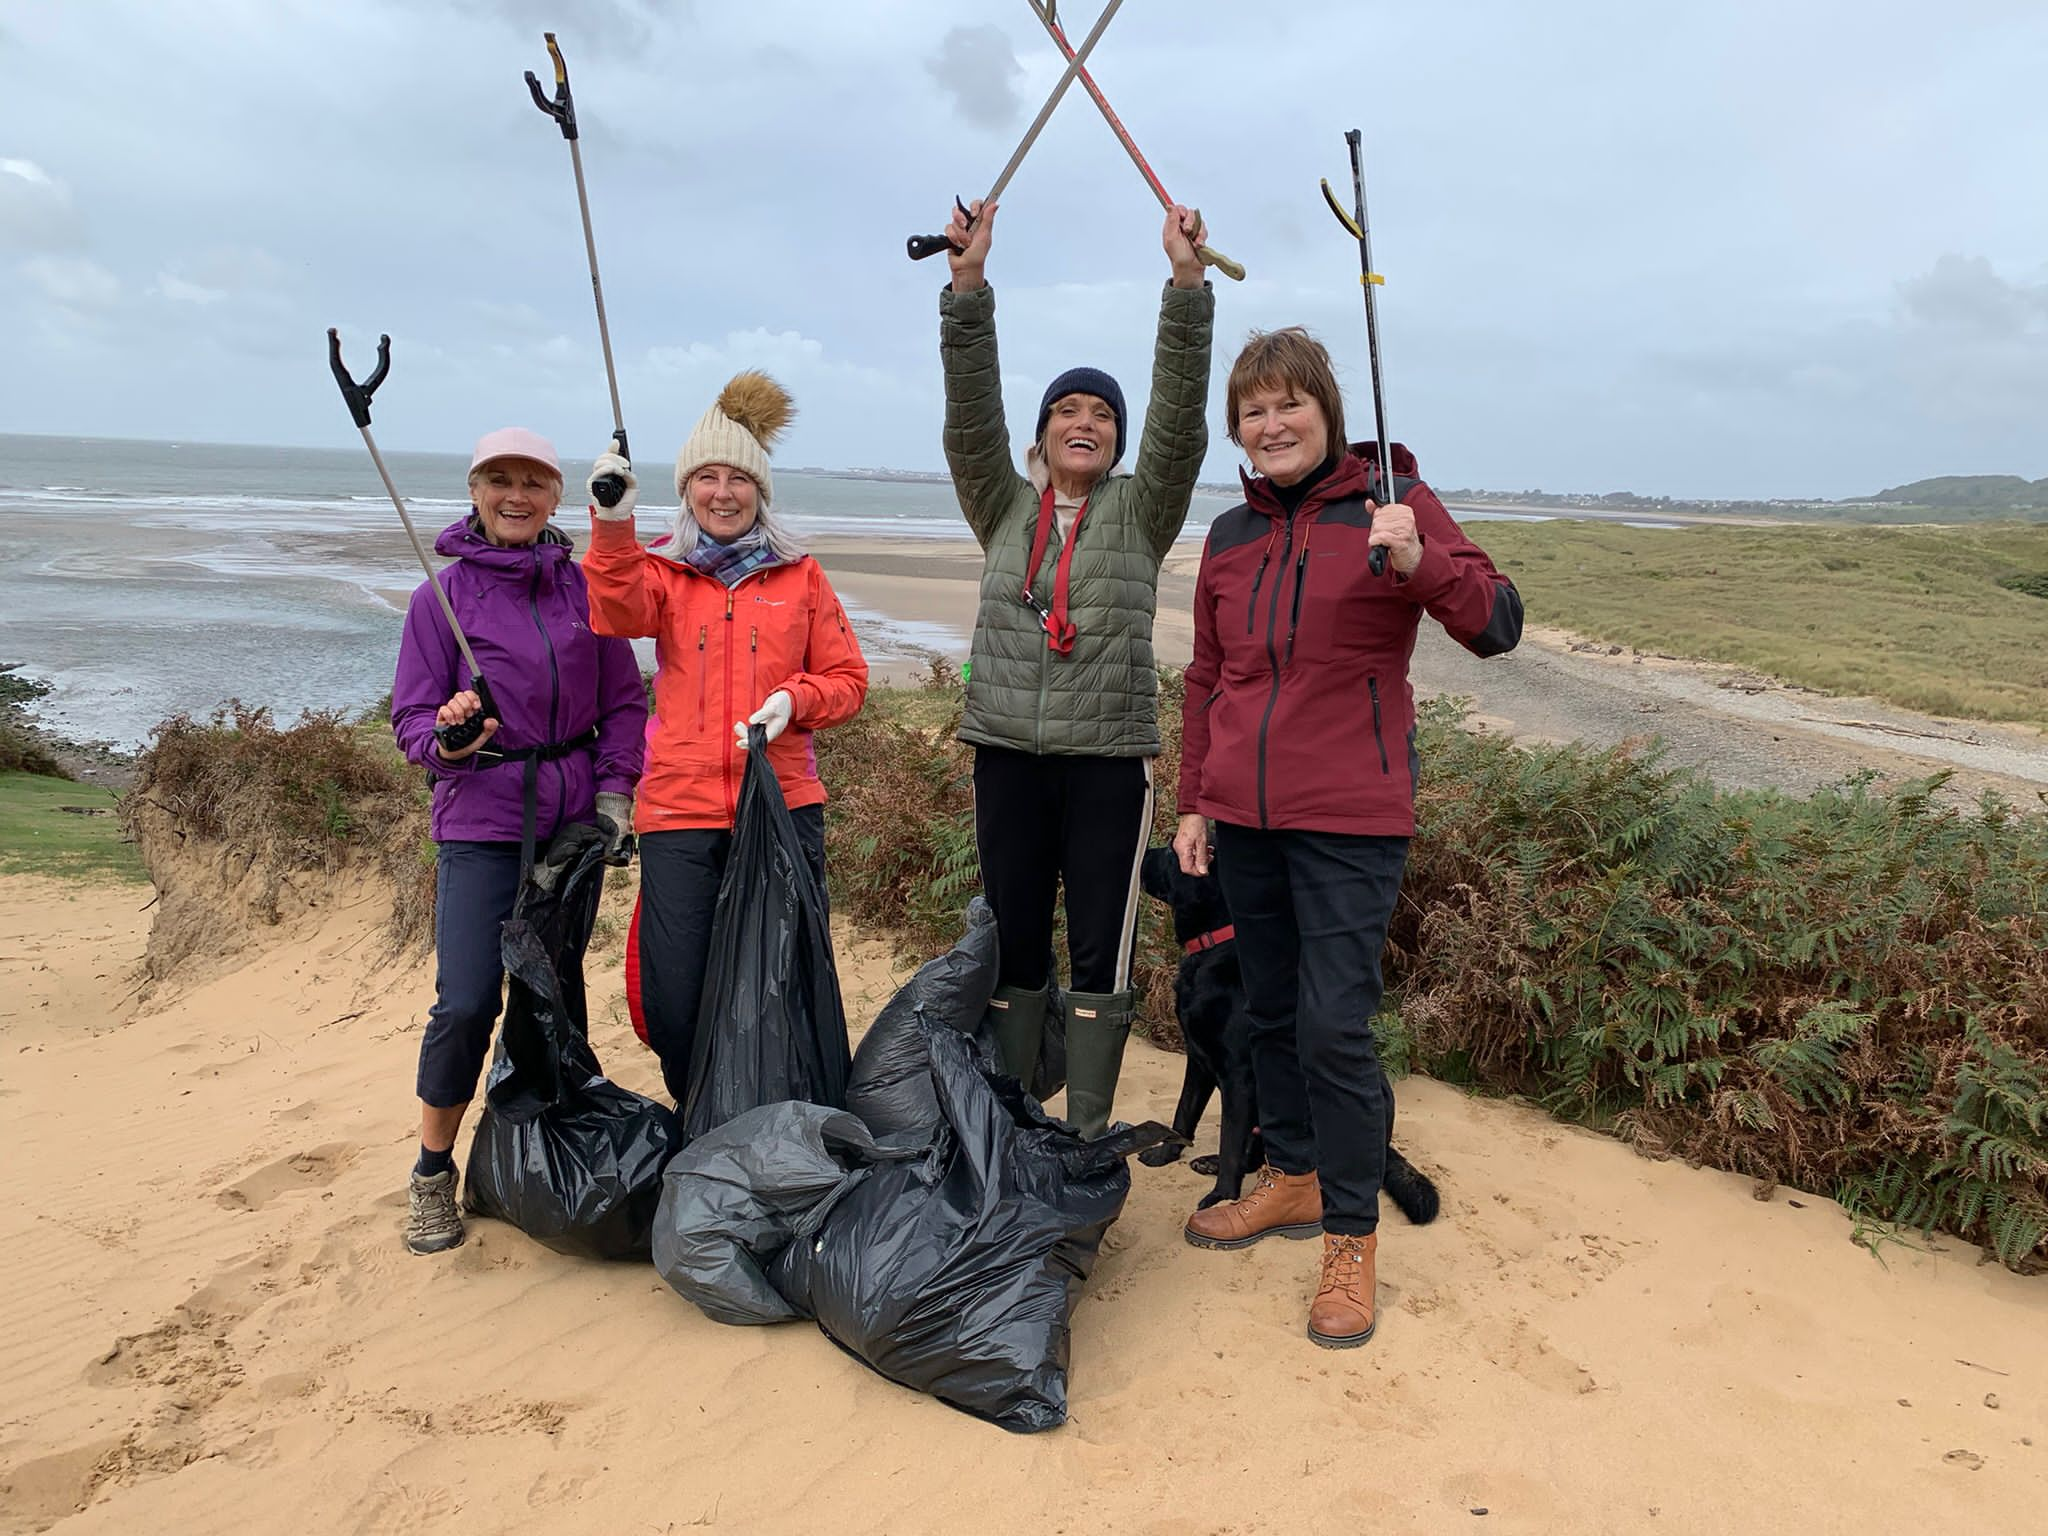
[
  {"x": 1019, "y": 1020},
  {"x": 1098, "y": 1024}
]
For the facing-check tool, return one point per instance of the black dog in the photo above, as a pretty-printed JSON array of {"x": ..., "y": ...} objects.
[{"x": 1208, "y": 996}]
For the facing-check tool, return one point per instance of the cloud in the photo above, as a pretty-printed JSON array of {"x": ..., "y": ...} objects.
[
  {"x": 609, "y": 27},
  {"x": 170, "y": 286},
  {"x": 76, "y": 283},
  {"x": 36, "y": 213},
  {"x": 1965, "y": 295},
  {"x": 976, "y": 67}
]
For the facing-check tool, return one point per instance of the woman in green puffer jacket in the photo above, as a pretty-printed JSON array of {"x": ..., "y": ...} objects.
[{"x": 1062, "y": 694}]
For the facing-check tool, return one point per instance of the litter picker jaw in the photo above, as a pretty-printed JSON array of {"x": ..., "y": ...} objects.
[
  {"x": 608, "y": 489},
  {"x": 1359, "y": 227},
  {"x": 452, "y": 737}
]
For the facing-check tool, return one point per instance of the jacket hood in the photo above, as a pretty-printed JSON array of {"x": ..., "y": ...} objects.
[{"x": 464, "y": 539}]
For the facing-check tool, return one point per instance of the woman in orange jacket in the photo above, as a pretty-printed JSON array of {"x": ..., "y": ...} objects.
[{"x": 747, "y": 632}]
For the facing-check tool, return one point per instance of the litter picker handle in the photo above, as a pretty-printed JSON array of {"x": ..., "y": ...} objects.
[
  {"x": 610, "y": 489},
  {"x": 921, "y": 246},
  {"x": 563, "y": 108},
  {"x": 454, "y": 738},
  {"x": 358, "y": 395}
]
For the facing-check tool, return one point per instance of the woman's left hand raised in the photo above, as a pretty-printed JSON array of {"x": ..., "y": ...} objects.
[
  {"x": 773, "y": 717},
  {"x": 1184, "y": 231},
  {"x": 1393, "y": 529}
]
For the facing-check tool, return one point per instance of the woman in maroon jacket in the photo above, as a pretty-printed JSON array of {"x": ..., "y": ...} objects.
[{"x": 1299, "y": 743}]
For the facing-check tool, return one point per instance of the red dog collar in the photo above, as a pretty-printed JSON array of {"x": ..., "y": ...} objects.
[{"x": 1221, "y": 935}]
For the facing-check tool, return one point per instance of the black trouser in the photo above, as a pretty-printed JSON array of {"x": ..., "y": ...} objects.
[
  {"x": 475, "y": 887},
  {"x": 1044, "y": 820},
  {"x": 1311, "y": 911},
  {"x": 679, "y": 878}
]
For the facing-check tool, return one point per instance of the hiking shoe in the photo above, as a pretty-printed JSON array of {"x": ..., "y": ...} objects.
[
  {"x": 435, "y": 1225},
  {"x": 1346, "y": 1308},
  {"x": 1286, "y": 1204}
]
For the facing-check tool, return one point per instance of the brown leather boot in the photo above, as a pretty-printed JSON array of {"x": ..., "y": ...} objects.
[
  {"x": 1286, "y": 1204},
  {"x": 1346, "y": 1309}
]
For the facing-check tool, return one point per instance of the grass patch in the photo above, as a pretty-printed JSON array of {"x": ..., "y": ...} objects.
[
  {"x": 1942, "y": 620},
  {"x": 51, "y": 826}
]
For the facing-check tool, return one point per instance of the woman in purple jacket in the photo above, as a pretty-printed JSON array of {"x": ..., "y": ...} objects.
[{"x": 573, "y": 718}]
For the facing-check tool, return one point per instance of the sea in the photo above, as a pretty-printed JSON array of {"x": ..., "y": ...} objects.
[{"x": 141, "y": 580}]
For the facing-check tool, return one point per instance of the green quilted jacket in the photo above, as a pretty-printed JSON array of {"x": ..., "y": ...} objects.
[{"x": 1102, "y": 700}]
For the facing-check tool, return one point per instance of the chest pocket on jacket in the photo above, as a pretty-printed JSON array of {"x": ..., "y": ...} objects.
[
  {"x": 1331, "y": 605},
  {"x": 773, "y": 633}
]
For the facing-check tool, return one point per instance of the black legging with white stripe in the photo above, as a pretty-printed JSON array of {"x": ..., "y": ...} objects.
[{"x": 1041, "y": 820}]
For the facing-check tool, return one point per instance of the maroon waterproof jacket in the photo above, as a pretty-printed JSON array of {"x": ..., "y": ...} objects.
[{"x": 1299, "y": 714}]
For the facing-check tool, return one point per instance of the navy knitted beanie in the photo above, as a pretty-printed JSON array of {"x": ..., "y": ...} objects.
[{"x": 1084, "y": 381}]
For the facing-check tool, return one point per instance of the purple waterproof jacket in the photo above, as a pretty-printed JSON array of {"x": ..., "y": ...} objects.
[{"x": 526, "y": 612}]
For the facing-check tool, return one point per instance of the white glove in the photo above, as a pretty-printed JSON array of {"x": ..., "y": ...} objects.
[
  {"x": 610, "y": 463},
  {"x": 773, "y": 716}
]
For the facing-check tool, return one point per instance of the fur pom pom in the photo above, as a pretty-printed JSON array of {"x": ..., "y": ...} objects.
[{"x": 759, "y": 404}]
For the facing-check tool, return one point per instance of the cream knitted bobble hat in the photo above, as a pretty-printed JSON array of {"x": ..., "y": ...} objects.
[{"x": 739, "y": 429}]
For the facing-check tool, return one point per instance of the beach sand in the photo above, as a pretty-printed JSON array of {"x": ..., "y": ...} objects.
[{"x": 212, "y": 1325}]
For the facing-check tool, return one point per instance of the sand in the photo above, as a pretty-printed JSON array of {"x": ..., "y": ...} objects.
[{"x": 212, "y": 1325}]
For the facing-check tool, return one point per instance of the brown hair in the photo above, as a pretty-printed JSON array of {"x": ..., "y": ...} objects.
[{"x": 1295, "y": 360}]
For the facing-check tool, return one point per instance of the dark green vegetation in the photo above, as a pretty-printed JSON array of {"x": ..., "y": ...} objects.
[{"x": 1847, "y": 993}]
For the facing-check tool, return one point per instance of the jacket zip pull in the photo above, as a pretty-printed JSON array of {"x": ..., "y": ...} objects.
[
  {"x": 1251, "y": 609},
  {"x": 1372, "y": 686},
  {"x": 1294, "y": 613},
  {"x": 703, "y": 636},
  {"x": 754, "y": 662}
]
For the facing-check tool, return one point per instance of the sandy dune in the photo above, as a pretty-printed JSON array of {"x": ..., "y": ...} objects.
[{"x": 212, "y": 1325}]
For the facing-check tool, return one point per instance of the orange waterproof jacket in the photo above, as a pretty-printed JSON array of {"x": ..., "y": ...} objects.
[{"x": 719, "y": 653}]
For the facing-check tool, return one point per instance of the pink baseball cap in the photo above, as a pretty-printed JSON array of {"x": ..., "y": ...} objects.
[{"x": 514, "y": 443}]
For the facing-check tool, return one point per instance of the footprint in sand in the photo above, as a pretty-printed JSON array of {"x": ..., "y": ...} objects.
[
  {"x": 40, "y": 1492},
  {"x": 299, "y": 1171}
]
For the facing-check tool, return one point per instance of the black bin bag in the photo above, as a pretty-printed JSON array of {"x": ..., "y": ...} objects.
[
  {"x": 737, "y": 1196},
  {"x": 956, "y": 1273},
  {"x": 891, "y": 1086},
  {"x": 562, "y": 1153},
  {"x": 771, "y": 1028}
]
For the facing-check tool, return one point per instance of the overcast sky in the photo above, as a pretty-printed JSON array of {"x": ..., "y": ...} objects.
[{"x": 1748, "y": 247}]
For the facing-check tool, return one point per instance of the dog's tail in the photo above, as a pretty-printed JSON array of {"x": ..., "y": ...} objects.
[{"x": 1410, "y": 1188}]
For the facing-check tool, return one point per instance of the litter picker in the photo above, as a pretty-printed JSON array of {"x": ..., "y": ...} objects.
[
  {"x": 1361, "y": 231},
  {"x": 921, "y": 246},
  {"x": 562, "y": 108},
  {"x": 452, "y": 737},
  {"x": 1047, "y": 14}
]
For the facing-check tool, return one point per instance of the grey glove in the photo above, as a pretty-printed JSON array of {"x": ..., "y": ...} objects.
[{"x": 615, "y": 821}]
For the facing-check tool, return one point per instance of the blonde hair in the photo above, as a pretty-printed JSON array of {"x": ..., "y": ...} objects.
[{"x": 1292, "y": 359}]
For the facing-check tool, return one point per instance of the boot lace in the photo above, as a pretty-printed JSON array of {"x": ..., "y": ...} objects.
[
  {"x": 1343, "y": 1261},
  {"x": 433, "y": 1207}
]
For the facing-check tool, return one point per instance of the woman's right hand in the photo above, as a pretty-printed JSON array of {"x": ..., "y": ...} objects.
[
  {"x": 968, "y": 254},
  {"x": 1191, "y": 845},
  {"x": 454, "y": 712}
]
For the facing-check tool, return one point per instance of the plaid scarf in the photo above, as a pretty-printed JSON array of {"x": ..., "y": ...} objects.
[{"x": 731, "y": 563}]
